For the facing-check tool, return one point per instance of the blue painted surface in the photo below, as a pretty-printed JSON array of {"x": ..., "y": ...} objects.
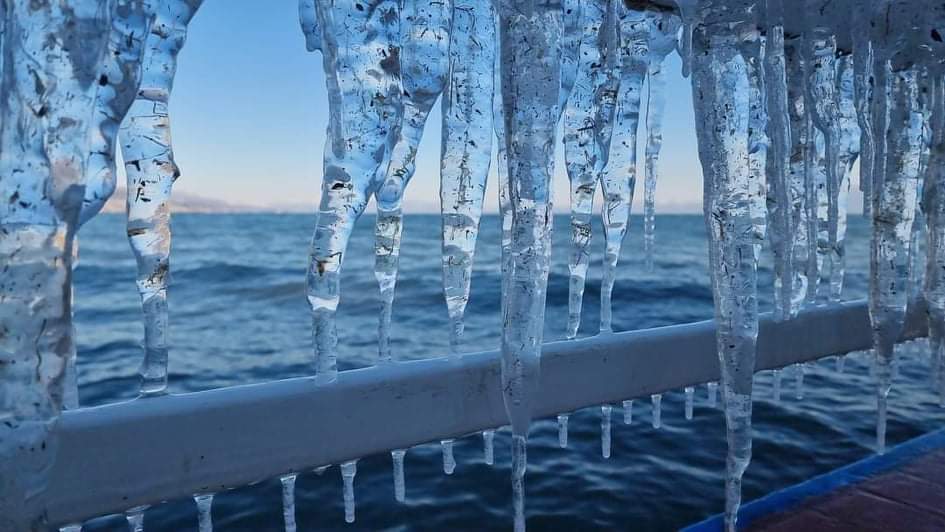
[{"x": 789, "y": 498}]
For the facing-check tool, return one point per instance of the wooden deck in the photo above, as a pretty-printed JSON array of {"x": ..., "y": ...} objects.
[{"x": 902, "y": 490}]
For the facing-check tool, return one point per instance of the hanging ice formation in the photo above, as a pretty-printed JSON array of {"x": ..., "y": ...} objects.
[
  {"x": 135, "y": 518},
  {"x": 49, "y": 83},
  {"x": 288, "y": 501},
  {"x": 531, "y": 77},
  {"x": 620, "y": 173},
  {"x": 663, "y": 39},
  {"x": 722, "y": 89},
  {"x": 752, "y": 49},
  {"x": 690, "y": 401},
  {"x": 204, "y": 512},
  {"x": 587, "y": 120},
  {"x": 656, "y": 401},
  {"x": 605, "y": 425},
  {"x": 712, "y": 389},
  {"x": 364, "y": 95},
  {"x": 797, "y": 244},
  {"x": 488, "y": 446},
  {"x": 628, "y": 412},
  {"x": 848, "y": 150},
  {"x": 933, "y": 205},
  {"x": 151, "y": 173},
  {"x": 400, "y": 485},
  {"x": 467, "y": 149},
  {"x": 424, "y": 63},
  {"x": 348, "y": 471}
]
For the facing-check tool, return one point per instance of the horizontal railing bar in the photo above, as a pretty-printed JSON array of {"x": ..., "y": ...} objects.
[{"x": 122, "y": 455}]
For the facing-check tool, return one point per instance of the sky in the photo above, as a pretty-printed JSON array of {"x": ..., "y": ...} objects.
[{"x": 249, "y": 112}]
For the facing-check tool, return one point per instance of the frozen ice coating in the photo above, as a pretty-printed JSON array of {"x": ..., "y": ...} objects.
[
  {"x": 933, "y": 205},
  {"x": 362, "y": 72},
  {"x": 424, "y": 69},
  {"x": 585, "y": 118},
  {"x": 619, "y": 177},
  {"x": 663, "y": 38},
  {"x": 151, "y": 173},
  {"x": 466, "y": 149},
  {"x": 531, "y": 77},
  {"x": 848, "y": 150},
  {"x": 722, "y": 99},
  {"x": 204, "y": 512},
  {"x": 780, "y": 194},
  {"x": 288, "y": 502},
  {"x": 797, "y": 173},
  {"x": 348, "y": 471},
  {"x": 400, "y": 485},
  {"x": 51, "y": 56},
  {"x": 118, "y": 86},
  {"x": 894, "y": 206}
]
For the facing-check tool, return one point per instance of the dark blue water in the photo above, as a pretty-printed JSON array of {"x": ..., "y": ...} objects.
[{"x": 239, "y": 315}]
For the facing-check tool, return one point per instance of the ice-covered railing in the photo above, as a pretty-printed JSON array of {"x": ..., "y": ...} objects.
[{"x": 786, "y": 100}]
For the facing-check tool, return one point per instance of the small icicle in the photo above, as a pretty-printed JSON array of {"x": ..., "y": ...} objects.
[
  {"x": 519, "y": 463},
  {"x": 204, "y": 512},
  {"x": 288, "y": 501},
  {"x": 400, "y": 485},
  {"x": 687, "y": 10},
  {"x": 348, "y": 471},
  {"x": 488, "y": 447},
  {"x": 135, "y": 517},
  {"x": 712, "y": 388},
  {"x": 690, "y": 400},
  {"x": 800, "y": 370},
  {"x": 449, "y": 462},
  {"x": 628, "y": 412},
  {"x": 563, "y": 430},
  {"x": 776, "y": 385},
  {"x": 657, "y": 401},
  {"x": 605, "y": 414}
]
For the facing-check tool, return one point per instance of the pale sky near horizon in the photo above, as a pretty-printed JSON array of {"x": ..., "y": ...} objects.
[{"x": 249, "y": 113}]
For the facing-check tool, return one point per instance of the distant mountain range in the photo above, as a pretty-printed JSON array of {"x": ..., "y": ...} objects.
[{"x": 182, "y": 202}]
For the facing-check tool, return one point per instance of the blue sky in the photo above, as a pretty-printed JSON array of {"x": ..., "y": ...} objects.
[{"x": 249, "y": 112}]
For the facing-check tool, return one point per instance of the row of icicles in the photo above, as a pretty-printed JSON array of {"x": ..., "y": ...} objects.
[{"x": 780, "y": 123}]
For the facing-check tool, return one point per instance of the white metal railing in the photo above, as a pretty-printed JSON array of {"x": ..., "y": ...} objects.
[{"x": 174, "y": 446}]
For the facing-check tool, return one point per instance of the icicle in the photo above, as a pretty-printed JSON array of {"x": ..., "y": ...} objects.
[
  {"x": 424, "y": 69},
  {"x": 799, "y": 371},
  {"x": 151, "y": 172},
  {"x": 896, "y": 184},
  {"x": 780, "y": 199},
  {"x": 605, "y": 414},
  {"x": 722, "y": 93},
  {"x": 288, "y": 501},
  {"x": 841, "y": 363},
  {"x": 619, "y": 177},
  {"x": 690, "y": 400},
  {"x": 400, "y": 486},
  {"x": 348, "y": 471},
  {"x": 204, "y": 512},
  {"x": 488, "y": 447},
  {"x": 776, "y": 385},
  {"x": 751, "y": 46},
  {"x": 531, "y": 77},
  {"x": 687, "y": 10},
  {"x": 863, "y": 96},
  {"x": 798, "y": 244},
  {"x": 467, "y": 149},
  {"x": 585, "y": 117},
  {"x": 361, "y": 50},
  {"x": 817, "y": 209},
  {"x": 563, "y": 430},
  {"x": 657, "y": 401},
  {"x": 933, "y": 204},
  {"x": 572, "y": 41},
  {"x": 628, "y": 412},
  {"x": 308, "y": 19},
  {"x": 449, "y": 462},
  {"x": 848, "y": 149},
  {"x": 135, "y": 518},
  {"x": 820, "y": 52},
  {"x": 712, "y": 388},
  {"x": 664, "y": 29},
  {"x": 48, "y": 89}
]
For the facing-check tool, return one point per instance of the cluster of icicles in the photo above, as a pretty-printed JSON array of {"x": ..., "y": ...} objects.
[{"x": 780, "y": 122}]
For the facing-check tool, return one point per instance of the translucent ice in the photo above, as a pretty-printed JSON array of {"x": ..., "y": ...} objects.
[{"x": 288, "y": 502}]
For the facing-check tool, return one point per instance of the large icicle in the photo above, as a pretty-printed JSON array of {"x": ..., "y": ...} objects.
[
  {"x": 848, "y": 149},
  {"x": 797, "y": 245},
  {"x": 531, "y": 77},
  {"x": 204, "y": 504},
  {"x": 619, "y": 177},
  {"x": 820, "y": 53},
  {"x": 572, "y": 36},
  {"x": 424, "y": 69},
  {"x": 663, "y": 38},
  {"x": 780, "y": 210},
  {"x": 361, "y": 51},
  {"x": 467, "y": 149},
  {"x": 863, "y": 93},
  {"x": 721, "y": 94},
  {"x": 50, "y": 64},
  {"x": 933, "y": 205},
  {"x": 894, "y": 205},
  {"x": 151, "y": 173},
  {"x": 584, "y": 151},
  {"x": 751, "y": 46}
]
